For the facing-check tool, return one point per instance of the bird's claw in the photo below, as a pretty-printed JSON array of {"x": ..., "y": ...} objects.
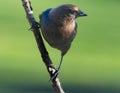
[
  {"x": 35, "y": 25},
  {"x": 54, "y": 75}
]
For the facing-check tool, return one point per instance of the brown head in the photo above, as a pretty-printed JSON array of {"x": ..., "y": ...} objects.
[{"x": 65, "y": 13}]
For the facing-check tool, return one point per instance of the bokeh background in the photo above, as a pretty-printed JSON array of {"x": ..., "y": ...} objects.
[{"x": 92, "y": 65}]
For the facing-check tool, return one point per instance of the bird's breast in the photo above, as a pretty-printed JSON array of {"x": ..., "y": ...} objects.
[{"x": 68, "y": 31}]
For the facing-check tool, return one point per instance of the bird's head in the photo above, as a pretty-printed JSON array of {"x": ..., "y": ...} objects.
[
  {"x": 66, "y": 12},
  {"x": 72, "y": 11}
]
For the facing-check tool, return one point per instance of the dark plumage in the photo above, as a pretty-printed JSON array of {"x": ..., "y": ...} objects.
[{"x": 59, "y": 28}]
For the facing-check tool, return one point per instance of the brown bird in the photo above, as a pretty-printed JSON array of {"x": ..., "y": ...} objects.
[{"x": 59, "y": 27}]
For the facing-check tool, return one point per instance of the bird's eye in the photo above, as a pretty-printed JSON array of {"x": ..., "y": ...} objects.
[
  {"x": 73, "y": 12},
  {"x": 70, "y": 11}
]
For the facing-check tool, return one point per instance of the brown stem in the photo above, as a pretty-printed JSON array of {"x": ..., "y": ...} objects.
[{"x": 44, "y": 54}]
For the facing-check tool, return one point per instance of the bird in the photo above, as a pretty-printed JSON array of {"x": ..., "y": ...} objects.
[{"x": 59, "y": 28}]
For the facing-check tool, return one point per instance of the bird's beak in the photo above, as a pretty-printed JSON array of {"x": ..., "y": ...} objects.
[{"x": 80, "y": 14}]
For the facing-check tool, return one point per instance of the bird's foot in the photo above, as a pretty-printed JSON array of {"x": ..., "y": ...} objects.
[
  {"x": 35, "y": 25},
  {"x": 54, "y": 72}
]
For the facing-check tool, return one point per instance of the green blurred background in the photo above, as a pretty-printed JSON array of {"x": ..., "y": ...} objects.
[{"x": 92, "y": 64}]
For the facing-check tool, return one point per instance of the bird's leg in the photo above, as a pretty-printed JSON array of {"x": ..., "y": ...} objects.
[{"x": 58, "y": 69}]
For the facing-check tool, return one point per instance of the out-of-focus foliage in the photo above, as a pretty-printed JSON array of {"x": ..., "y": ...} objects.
[{"x": 94, "y": 58}]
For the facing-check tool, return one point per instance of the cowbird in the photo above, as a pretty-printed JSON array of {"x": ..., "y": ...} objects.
[{"x": 59, "y": 27}]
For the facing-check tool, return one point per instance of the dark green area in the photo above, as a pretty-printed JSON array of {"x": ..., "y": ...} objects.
[{"x": 93, "y": 62}]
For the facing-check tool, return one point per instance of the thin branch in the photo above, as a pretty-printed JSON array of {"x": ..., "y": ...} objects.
[{"x": 44, "y": 54}]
